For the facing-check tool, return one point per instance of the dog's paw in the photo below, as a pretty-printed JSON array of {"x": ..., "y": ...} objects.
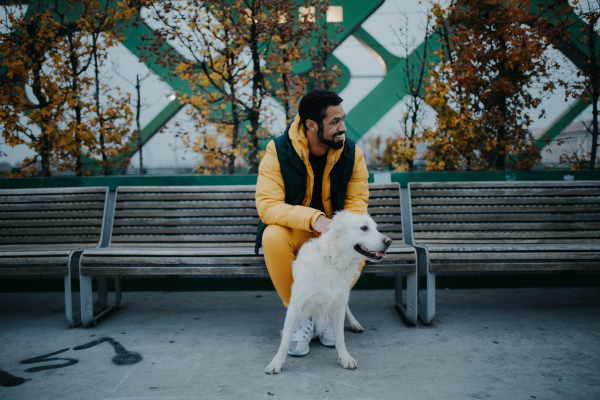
[
  {"x": 274, "y": 367},
  {"x": 348, "y": 362},
  {"x": 356, "y": 328}
]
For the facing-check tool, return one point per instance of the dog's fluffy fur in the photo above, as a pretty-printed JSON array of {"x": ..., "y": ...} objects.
[{"x": 323, "y": 273}]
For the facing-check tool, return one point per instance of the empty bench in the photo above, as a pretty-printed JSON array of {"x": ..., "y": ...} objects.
[
  {"x": 210, "y": 230},
  {"x": 43, "y": 232},
  {"x": 503, "y": 227}
]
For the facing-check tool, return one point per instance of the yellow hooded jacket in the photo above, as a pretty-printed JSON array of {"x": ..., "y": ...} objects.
[{"x": 270, "y": 189}]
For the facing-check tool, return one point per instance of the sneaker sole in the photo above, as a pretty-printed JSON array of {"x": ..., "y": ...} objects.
[
  {"x": 326, "y": 343},
  {"x": 294, "y": 354}
]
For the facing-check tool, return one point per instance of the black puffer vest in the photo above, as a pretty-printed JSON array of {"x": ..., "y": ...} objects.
[{"x": 294, "y": 176}]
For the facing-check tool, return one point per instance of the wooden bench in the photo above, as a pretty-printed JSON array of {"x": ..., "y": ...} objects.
[
  {"x": 210, "y": 230},
  {"x": 503, "y": 226},
  {"x": 43, "y": 232}
]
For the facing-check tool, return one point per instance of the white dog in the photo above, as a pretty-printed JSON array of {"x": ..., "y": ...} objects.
[{"x": 323, "y": 273}]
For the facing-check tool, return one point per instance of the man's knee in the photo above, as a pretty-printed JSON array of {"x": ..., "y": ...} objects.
[{"x": 275, "y": 235}]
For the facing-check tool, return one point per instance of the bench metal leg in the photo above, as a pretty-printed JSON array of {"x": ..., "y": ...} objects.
[
  {"x": 409, "y": 310},
  {"x": 90, "y": 311},
  {"x": 426, "y": 307},
  {"x": 73, "y": 317}
]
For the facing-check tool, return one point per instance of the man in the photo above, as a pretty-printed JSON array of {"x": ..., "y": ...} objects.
[{"x": 306, "y": 175}]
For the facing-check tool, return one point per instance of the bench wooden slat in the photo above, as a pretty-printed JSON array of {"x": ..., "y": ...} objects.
[
  {"x": 383, "y": 210},
  {"x": 174, "y": 196},
  {"x": 33, "y": 261},
  {"x": 505, "y": 209},
  {"x": 506, "y": 192},
  {"x": 48, "y": 223},
  {"x": 71, "y": 198},
  {"x": 45, "y": 270},
  {"x": 83, "y": 230},
  {"x": 197, "y": 252},
  {"x": 33, "y": 240},
  {"x": 431, "y": 243},
  {"x": 490, "y": 236},
  {"x": 25, "y": 216},
  {"x": 516, "y": 247},
  {"x": 246, "y": 270},
  {"x": 198, "y": 230},
  {"x": 185, "y": 238},
  {"x": 51, "y": 207},
  {"x": 52, "y": 191},
  {"x": 184, "y": 204},
  {"x": 503, "y": 184},
  {"x": 202, "y": 238},
  {"x": 215, "y": 221},
  {"x": 508, "y": 255},
  {"x": 532, "y": 266},
  {"x": 525, "y": 226},
  {"x": 505, "y": 218},
  {"x": 373, "y": 194},
  {"x": 186, "y": 222},
  {"x": 169, "y": 245},
  {"x": 442, "y": 201},
  {"x": 186, "y": 196},
  {"x": 204, "y": 260},
  {"x": 186, "y": 189},
  {"x": 184, "y": 213}
]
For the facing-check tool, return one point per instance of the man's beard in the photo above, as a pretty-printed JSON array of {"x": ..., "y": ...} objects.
[{"x": 329, "y": 143}]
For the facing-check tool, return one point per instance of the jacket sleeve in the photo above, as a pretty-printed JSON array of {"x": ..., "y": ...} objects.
[
  {"x": 357, "y": 193},
  {"x": 270, "y": 197}
]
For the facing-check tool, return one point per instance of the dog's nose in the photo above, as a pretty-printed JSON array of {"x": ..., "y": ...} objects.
[{"x": 387, "y": 241}]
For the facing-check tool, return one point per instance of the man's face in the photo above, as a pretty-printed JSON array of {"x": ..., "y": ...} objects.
[{"x": 332, "y": 129}]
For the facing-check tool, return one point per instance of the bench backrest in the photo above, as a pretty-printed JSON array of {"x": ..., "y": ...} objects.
[
  {"x": 505, "y": 212},
  {"x": 214, "y": 216},
  {"x": 53, "y": 218}
]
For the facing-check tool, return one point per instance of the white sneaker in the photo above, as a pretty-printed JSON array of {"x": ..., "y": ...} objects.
[
  {"x": 327, "y": 337},
  {"x": 302, "y": 337}
]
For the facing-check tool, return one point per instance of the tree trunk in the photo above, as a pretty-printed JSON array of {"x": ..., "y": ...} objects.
[
  {"x": 138, "y": 108},
  {"x": 594, "y": 133},
  {"x": 257, "y": 88},
  {"x": 105, "y": 166},
  {"x": 74, "y": 88},
  {"x": 44, "y": 140},
  {"x": 501, "y": 150},
  {"x": 594, "y": 77}
]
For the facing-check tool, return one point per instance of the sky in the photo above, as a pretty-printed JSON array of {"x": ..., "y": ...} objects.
[{"x": 165, "y": 150}]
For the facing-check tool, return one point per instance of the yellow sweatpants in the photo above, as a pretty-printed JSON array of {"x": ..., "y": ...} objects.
[{"x": 281, "y": 245}]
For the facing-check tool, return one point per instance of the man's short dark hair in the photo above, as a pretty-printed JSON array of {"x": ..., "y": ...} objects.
[{"x": 314, "y": 105}]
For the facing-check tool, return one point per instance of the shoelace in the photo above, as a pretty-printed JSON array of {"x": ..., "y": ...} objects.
[{"x": 303, "y": 331}]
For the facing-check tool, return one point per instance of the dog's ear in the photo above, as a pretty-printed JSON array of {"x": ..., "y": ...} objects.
[{"x": 338, "y": 223}]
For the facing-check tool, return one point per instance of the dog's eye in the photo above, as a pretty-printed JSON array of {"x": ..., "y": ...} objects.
[{"x": 364, "y": 228}]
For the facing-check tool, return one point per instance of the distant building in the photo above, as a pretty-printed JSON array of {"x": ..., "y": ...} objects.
[{"x": 574, "y": 140}]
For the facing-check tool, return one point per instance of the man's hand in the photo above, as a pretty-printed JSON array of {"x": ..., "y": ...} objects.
[{"x": 322, "y": 224}]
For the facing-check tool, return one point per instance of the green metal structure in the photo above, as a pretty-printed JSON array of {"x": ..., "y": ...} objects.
[{"x": 372, "y": 107}]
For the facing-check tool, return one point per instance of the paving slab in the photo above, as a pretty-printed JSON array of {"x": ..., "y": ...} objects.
[{"x": 483, "y": 344}]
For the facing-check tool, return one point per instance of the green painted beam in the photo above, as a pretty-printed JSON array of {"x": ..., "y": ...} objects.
[
  {"x": 378, "y": 50},
  {"x": 561, "y": 122},
  {"x": 384, "y": 96}
]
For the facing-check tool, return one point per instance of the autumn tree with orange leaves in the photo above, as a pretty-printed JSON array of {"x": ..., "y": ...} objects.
[
  {"x": 238, "y": 57},
  {"x": 52, "y": 50},
  {"x": 493, "y": 53}
]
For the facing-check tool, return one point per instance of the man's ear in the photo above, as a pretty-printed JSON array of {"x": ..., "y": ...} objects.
[{"x": 311, "y": 125}]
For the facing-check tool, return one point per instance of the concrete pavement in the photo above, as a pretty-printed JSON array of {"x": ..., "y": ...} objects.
[{"x": 483, "y": 344}]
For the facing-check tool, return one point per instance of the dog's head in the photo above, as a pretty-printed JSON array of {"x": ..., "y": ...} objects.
[{"x": 358, "y": 234}]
